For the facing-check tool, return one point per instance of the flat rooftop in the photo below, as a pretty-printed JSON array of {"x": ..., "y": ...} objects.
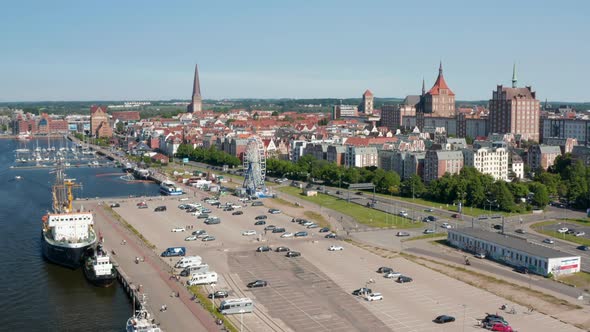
[{"x": 512, "y": 242}]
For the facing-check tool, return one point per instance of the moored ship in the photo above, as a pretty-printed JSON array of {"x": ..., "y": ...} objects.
[
  {"x": 98, "y": 267},
  {"x": 168, "y": 187},
  {"x": 142, "y": 320},
  {"x": 67, "y": 233}
]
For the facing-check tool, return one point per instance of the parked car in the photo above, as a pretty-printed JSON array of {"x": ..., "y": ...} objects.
[
  {"x": 115, "y": 205},
  {"x": 444, "y": 319},
  {"x": 191, "y": 238},
  {"x": 301, "y": 234},
  {"x": 279, "y": 230},
  {"x": 257, "y": 283},
  {"x": 313, "y": 226},
  {"x": 392, "y": 275},
  {"x": 429, "y": 231},
  {"x": 431, "y": 218},
  {"x": 330, "y": 236},
  {"x": 286, "y": 234},
  {"x": 456, "y": 215},
  {"x": 160, "y": 209},
  {"x": 445, "y": 225},
  {"x": 259, "y": 223},
  {"x": 199, "y": 232},
  {"x": 274, "y": 211},
  {"x": 480, "y": 255},
  {"x": 549, "y": 241},
  {"x": 263, "y": 249},
  {"x": 237, "y": 213},
  {"x": 362, "y": 291},
  {"x": 220, "y": 294},
  {"x": 335, "y": 248},
  {"x": 584, "y": 248},
  {"x": 501, "y": 328},
  {"x": 384, "y": 269},
  {"x": 429, "y": 210},
  {"x": 403, "y": 213},
  {"x": 580, "y": 233},
  {"x": 261, "y": 217},
  {"x": 178, "y": 229},
  {"x": 324, "y": 230},
  {"x": 142, "y": 206},
  {"x": 208, "y": 238},
  {"x": 249, "y": 232},
  {"x": 562, "y": 230},
  {"x": 402, "y": 234},
  {"x": 522, "y": 269},
  {"x": 497, "y": 227},
  {"x": 282, "y": 249},
  {"x": 404, "y": 279},
  {"x": 520, "y": 231},
  {"x": 203, "y": 216},
  {"x": 270, "y": 227},
  {"x": 293, "y": 254},
  {"x": 307, "y": 223},
  {"x": 374, "y": 297}
]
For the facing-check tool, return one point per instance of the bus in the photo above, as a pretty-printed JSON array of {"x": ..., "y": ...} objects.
[{"x": 236, "y": 306}]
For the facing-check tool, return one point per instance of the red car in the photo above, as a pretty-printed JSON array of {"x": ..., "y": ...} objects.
[
  {"x": 501, "y": 327},
  {"x": 456, "y": 215}
]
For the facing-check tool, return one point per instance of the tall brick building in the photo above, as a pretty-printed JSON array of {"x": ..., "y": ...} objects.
[
  {"x": 367, "y": 104},
  {"x": 439, "y": 101},
  {"x": 99, "y": 122},
  {"x": 515, "y": 110}
]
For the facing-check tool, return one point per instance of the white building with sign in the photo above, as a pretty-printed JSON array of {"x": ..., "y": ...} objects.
[{"x": 514, "y": 251}]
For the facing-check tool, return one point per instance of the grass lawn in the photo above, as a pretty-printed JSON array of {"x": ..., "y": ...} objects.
[
  {"x": 539, "y": 227},
  {"x": 363, "y": 215},
  {"x": 426, "y": 236},
  {"x": 580, "y": 280},
  {"x": 285, "y": 202},
  {"x": 318, "y": 218}
]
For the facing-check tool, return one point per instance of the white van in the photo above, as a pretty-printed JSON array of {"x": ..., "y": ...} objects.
[
  {"x": 188, "y": 261},
  {"x": 202, "y": 278},
  {"x": 193, "y": 269}
]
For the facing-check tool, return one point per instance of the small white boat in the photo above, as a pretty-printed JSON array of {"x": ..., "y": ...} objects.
[{"x": 18, "y": 177}]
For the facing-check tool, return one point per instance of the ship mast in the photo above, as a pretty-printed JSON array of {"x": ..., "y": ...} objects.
[{"x": 63, "y": 197}]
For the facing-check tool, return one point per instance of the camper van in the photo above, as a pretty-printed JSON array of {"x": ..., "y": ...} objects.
[
  {"x": 188, "y": 261},
  {"x": 194, "y": 269},
  {"x": 174, "y": 251},
  {"x": 205, "y": 278}
]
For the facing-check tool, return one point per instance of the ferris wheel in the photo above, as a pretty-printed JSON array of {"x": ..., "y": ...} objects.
[{"x": 254, "y": 166}]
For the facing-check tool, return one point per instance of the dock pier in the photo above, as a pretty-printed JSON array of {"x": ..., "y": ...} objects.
[{"x": 150, "y": 277}]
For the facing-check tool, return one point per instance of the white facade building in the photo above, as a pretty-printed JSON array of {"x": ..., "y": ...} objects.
[
  {"x": 488, "y": 161},
  {"x": 361, "y": 156},
  {"x": 514, "y": 251}
]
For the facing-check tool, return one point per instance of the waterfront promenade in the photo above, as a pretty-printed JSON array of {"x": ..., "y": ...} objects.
[{"x": 153, "y": 275}]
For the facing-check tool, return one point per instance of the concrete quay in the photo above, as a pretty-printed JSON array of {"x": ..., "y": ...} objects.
[{"x": 150, "y": 277}]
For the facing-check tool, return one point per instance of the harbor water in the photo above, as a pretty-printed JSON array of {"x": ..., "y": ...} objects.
[{"x": 38, "y": 295}]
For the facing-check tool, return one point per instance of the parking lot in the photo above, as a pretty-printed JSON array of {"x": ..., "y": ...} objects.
[
  {"x": 312, "y": 292},
  {"x": 570, "y": 226}
]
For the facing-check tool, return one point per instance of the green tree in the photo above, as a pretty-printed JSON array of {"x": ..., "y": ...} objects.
[
  {"x": 540, "y": 194},
  {"x": 550, "y": 180},
  {"x": 501, "y": 194},
  {"x": 412, "y": 187}
]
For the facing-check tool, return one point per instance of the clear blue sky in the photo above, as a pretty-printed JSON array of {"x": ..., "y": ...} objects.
[{"x": 96, "y": 50}]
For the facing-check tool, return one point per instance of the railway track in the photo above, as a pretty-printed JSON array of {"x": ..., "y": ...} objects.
[{"x": 261, "y": 315}]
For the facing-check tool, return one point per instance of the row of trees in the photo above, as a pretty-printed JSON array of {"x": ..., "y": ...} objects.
[
  {"x": 210, "y": 156},
  {"x": 470, "y": 187}
]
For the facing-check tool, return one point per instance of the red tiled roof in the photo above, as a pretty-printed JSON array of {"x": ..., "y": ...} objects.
[
  {"x": 126, "y": 116},
  {"x": 368, "y": 93},
  {"x": 440, "y": 84},
  {"x": 95, "y": 108}
]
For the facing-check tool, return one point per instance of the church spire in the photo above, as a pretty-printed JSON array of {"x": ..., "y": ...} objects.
[
  {"x": 514, "y": 80},
  {"x": 196, "y": 104},
  {"x": 440, "y": 68},
  {"x": 423, "y": 87}
]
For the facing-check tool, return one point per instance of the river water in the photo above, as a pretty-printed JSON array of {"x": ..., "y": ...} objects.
[{"x": 36, "y": 295}]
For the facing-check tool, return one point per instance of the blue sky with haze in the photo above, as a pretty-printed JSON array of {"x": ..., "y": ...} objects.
[{"x": 97, "y": 50}]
